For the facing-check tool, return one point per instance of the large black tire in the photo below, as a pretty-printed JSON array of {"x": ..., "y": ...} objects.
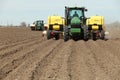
[
  {"x": 66, "y": 34},
  {"x": 85, "y": 33},
  {"x": 57, "y": 36},
  {"x": 48, "y": 34},
  {"x": 32, "y": 28},
  {"x": 102, "y": 35},
  {"x": 94, "y": 35}
]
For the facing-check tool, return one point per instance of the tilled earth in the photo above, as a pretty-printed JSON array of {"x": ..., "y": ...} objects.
[{"x": 26, "y": 55}]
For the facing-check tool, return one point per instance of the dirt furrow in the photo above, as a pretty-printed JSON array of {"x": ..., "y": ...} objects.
[
  {"x": 111, "y": 57},
  {"x": 76, "y": 62},
  {"x": 13, "y": 35},
  {"x": 15, "y": 60},
  {"x": 15, "y": 52},
  {"x": 83, "y": 62},
  {"x": 19, "y": 58},
  {"x": 106, "y": 60},
  {"x": 24, "y": 70},
  {"x": 54, "y": 66},
  {"x": 14, "y": 64},
  {"x": 17, "y": 48},
  {"x": 43, "y": 63},
  {"x": 112, "y": 46},
  {"x": 3, "y": 47}
]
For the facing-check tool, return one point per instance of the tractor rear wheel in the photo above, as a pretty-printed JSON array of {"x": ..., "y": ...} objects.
[
  {"x": 57, "y": 36},
  {"x": 85, "y": 36},
  {"x": 48, "y": 34},
  {"x": 32, "y": 28},
  {"x": 102, "y": 35},
  {"x": 66, "y": 34},
  {"x": 42, "y": 28}
]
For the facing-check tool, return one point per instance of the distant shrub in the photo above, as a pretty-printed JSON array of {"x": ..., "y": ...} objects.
[{"x": 23, "y": 24}]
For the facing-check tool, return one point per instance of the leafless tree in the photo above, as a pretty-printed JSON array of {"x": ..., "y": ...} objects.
[{"x": 23, "y": 24}]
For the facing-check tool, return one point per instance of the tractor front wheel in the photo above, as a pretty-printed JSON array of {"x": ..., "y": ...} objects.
[
  {"x": 42, "y": 28},
  {"x": 85, "y": 33},
  {"x": 66, "y": 34}
]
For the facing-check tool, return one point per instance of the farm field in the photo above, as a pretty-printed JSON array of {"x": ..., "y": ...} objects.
[{"x": 26, "y": 55}]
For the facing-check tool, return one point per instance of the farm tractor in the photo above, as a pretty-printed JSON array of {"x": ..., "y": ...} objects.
[
  {"x": 96, "y": 27},
  {"x": 75, "y": 23},
  {"x": 37, "y": 25},
  {"x": 55, "y": 27}
]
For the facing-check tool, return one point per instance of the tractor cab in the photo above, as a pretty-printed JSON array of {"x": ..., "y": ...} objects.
[
  {"x": 39, "y": 23},
  {"x": 74, "y": 15}
]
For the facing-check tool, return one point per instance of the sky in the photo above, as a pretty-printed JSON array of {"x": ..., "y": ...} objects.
[{"x": 17, "y": 11}]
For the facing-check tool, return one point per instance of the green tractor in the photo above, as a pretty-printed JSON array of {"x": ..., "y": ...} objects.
[
  {"x": 38, "y": 25},
  {"x": 75, "y": 23}
]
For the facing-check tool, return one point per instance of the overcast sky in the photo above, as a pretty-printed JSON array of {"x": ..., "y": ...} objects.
[{"x": 16, "y": 11}]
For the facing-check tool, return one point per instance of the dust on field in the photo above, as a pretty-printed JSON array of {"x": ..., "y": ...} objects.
[{"x": 114, "y": 30}]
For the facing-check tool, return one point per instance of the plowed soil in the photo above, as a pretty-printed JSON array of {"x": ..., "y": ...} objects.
[{"x": 26, "y": 55}]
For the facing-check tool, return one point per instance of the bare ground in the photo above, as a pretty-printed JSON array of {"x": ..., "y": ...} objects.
[{"x": 25, "y": 55}]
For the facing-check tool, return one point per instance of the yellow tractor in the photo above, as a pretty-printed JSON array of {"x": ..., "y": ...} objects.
[
  {"x": 96, "y": 27},
  {"x": 55, "y": 27}
]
